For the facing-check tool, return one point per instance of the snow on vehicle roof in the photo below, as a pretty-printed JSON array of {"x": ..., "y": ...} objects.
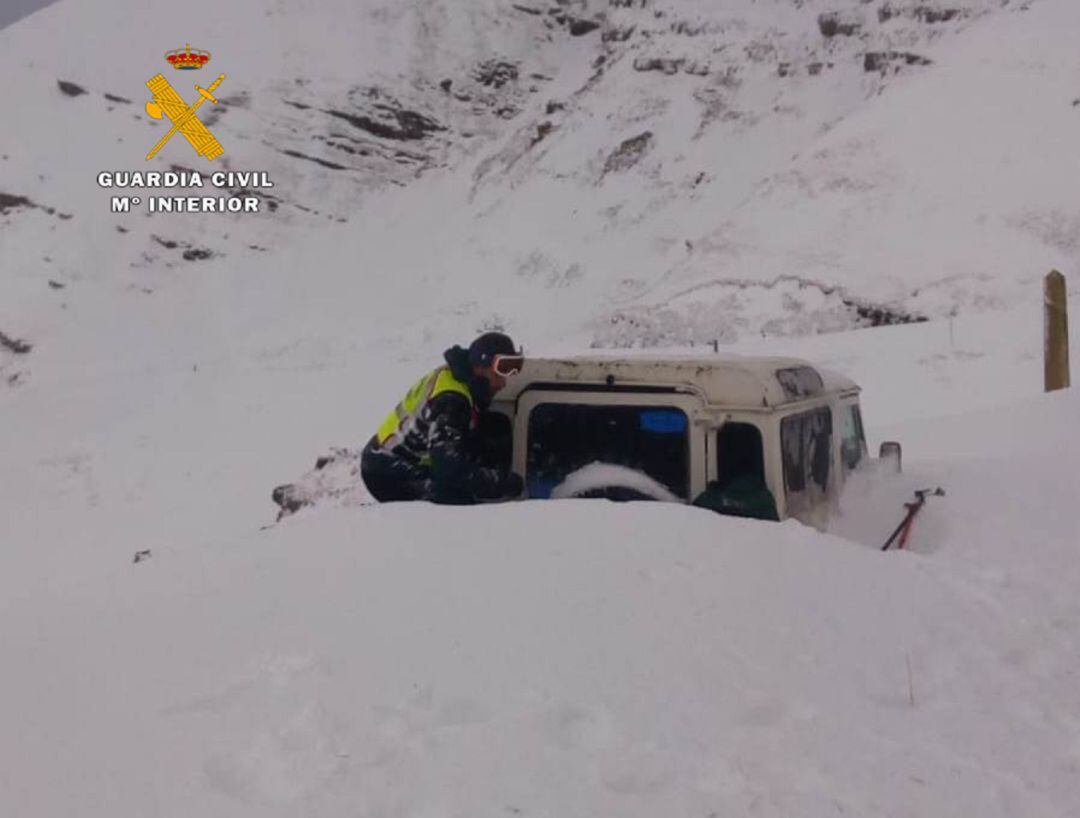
[{"x": 751, "y": 382}]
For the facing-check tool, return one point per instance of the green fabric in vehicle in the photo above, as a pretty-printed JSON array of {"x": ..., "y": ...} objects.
[{"x": 743, "y": 496}]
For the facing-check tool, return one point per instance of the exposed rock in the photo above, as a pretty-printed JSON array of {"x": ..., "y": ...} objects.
[
  {"x": 70, "y": 88},
  {"x": 542, "y": 130},
  {"x": 240, "y": 100},
  {"x": 16, "y": 345},
  {"x": 115, "y": 98},
  {"x": 197, "y": 254},
  {"x": 880, "y": 60},
  {"x": 315, "y": 159},
  {"x": 628, "y": 153},
  {"x": 832, "y": 24},
  {"x": 618, "y": 34},
  {"x": 689, "y": 29},
  {"x": 760, "y": 51},
  {"x": 667, "y": 65},
  {"x": 341, "y": 146},
  {"x": 936, "y": 15},
  {"x": 580, "y": 27},
  {"x": 408, "y": 125},
  {"x": 923, "y": 13},
  {"x": 215, "y": 114},
  {"x": 10, "y": 202},
  {"x": 876, "y": 315},
  {"x": 495, "y": 73}
]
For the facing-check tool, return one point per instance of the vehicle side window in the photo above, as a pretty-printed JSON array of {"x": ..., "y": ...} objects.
[
  {"x": 806, "y": 440},
  {"x": 852, "y": 441},
  {"x": 739, "y": 489},
  {"x": 739, "y": 453},
  {"x": 564, "y": 437}
]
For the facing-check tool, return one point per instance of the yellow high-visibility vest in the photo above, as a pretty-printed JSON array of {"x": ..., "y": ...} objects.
[{"x": 400, "y": 421}]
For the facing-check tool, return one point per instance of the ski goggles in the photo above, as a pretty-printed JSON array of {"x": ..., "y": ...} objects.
[{"x": 507, "y": 365}]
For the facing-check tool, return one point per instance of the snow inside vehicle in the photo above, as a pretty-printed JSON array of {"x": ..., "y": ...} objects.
[{"x": 683, "y": 428}]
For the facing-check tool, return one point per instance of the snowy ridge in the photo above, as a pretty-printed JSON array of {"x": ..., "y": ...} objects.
[{"x": 680, "y": 173}]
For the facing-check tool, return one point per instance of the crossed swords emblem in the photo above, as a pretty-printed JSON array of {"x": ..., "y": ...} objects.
[{"x": 167, "y": 102}]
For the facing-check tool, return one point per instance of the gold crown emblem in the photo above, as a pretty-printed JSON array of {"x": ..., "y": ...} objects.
[{"x": 187, "y": 58}]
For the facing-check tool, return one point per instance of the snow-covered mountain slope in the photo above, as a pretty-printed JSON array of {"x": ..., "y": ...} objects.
[{"x": 680, "y": 173}]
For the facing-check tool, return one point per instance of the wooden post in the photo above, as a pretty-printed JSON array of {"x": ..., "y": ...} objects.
[{"x": 1055, "y": 332}]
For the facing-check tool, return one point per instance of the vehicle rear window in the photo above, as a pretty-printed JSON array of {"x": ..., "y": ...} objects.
[
  {"x": 806, "y": 442},
  {"x": 564, "y": 437}
]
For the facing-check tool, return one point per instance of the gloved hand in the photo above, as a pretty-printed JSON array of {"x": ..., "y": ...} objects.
[{"x": 512, "y": 485}]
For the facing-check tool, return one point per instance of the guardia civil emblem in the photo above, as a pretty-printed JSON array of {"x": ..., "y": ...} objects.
[{"x": 167, "y": 102}]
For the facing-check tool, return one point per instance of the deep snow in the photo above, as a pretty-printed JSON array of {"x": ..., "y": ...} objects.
[
  {"x": 566, "y": 657},
  {"x": 541, "y": 658}
]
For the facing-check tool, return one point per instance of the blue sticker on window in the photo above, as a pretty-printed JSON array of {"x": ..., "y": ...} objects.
[
  {"x": 663, "y": 421},
  {"x": 541, "y": 489}
]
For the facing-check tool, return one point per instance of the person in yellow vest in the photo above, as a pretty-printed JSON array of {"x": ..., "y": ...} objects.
[{"x": 421, "y": 451}]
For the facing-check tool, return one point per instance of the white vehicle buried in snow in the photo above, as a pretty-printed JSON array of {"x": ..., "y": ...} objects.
[
  {"x": 768, "y": 438},
  {"x": 757, "y": 437}
]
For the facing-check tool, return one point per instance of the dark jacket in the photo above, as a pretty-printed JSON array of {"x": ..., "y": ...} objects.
[{"x": 430, "y": 458}]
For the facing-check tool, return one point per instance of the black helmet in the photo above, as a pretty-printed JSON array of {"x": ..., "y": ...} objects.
[{"x": 483, "y": 350}]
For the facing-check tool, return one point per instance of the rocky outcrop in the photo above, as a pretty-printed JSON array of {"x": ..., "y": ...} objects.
[
  {"x": 628, "y": 153},
  {"x": 16, "y": 345},
  {"x": 883, "y": 60},
  {"x": 70, "y": 89},
  {"x": 834, "y": 24},
  {"x": 496, "y": 73}
]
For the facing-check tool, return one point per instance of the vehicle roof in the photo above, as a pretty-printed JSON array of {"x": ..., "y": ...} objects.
[{"x": 750, "y": 382}]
